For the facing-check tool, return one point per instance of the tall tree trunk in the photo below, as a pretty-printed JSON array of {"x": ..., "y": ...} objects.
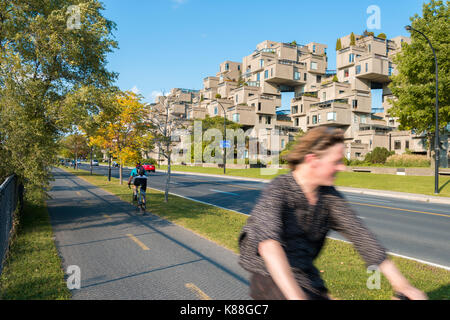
[
  {"x": 430, "y": 146},
  {"x": 91, "y": 160},
  {"x": 166, "y": 195},
  {"x": 120, "y": 172}
]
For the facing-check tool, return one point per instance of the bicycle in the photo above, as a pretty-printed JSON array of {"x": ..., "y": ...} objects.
[{"x": 139, "y": 200}]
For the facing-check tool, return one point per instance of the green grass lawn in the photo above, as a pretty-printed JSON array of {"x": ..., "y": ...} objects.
[
  {"x": 33, "y": 269},
  {"x": 343, "y": 270},
  {"x": 409, "y": 184}
]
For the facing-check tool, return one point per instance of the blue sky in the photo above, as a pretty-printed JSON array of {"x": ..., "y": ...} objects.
[{"x": 176, "y": 43}]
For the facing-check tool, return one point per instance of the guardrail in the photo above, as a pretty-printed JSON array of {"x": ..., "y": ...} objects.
[{"x": 11, "y": 195}]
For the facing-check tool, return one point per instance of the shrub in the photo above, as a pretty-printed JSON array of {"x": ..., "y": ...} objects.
[
  {"x": 408, "y": 160},
  {"x": 382, "y": 36},
  {"x": 338, "y": 44},
  {"x": 378, "y": 155},
  {"x": 218, "y": 96},
  {"x": 335, "y": 78},
  {"x": 352, "y": 39}
]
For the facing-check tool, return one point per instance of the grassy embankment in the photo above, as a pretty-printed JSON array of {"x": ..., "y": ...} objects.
[{"x": 33, "y": 269}]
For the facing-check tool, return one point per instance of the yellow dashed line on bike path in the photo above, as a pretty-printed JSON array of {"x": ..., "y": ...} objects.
[
  {"x": 139, "y": 243},
  {"x": 197, "y": 291}
]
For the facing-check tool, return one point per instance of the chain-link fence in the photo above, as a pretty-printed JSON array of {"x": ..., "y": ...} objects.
[{"x": 11, "y": 195}]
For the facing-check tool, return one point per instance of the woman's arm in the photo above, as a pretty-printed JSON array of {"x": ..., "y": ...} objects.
[{"x": 278, "y": 266}]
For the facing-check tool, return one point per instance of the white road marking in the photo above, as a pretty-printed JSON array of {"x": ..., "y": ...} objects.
[{"x": 233, "y": 194}]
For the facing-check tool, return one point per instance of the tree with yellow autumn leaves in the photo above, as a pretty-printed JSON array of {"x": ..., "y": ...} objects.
[{"x": 123, "y": 130}]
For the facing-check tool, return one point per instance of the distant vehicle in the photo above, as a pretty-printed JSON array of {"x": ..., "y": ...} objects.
[
  {"x": 95, "y": 162},
  {"x": 149, "y": 167},
  {"x": 78, "y": 161},
  {"x": 115, "y": 164}
]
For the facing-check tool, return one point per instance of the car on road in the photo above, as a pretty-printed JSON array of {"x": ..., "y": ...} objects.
[
  {"x": 115, "y": 164},
  {"x": 78, "y": 161},
  {"x": 149, "y": 167},
  {"x": 95, "y": 162}
]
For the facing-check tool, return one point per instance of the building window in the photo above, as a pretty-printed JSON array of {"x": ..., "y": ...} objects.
[
  {"x": 307, "y": 120},
  {"x": 370, "y": 48},
  {"x": 297, "y": 75},
  {"x": 227, "y": 66},
  {"x": 305, "y": 75},
  {"x": 237, "y": 98},
  {"x": 301, "y": 108},
  {"x": 324, "y": 96},
  {"x": 314, "y": 119},
  {"x": 313, "y": 65},
  {"x": 296, "y": 122},
  {"x": 295, "y": 109},
  {"x": 363, "y": 119},
  {"x": 391, "y": 69},
  {"x": 320, "y": 117},
  {"x": 269, "y": 119},
  {"x": 266, "y": 74},
  {"x": 271, "y": 72},
  {"x": 236, "y": 117},
  {"x": 355, "y": 104},
  {"x": 397, "y": 144},
  {"x": 261, "y": 63},
  {"x": 346, "y": 73},
  {"x": 239, "y": 68},
  {"x": 331, "y": 116},
  {"x": 318, "y": 79},
  {"x": 367, "y": 67},
  {"x": 259, "y": 106},
  {"x": 358, "y": 69},
  {"x": 258, "y": 77},
  {"x": 260, "y": 119},
  {"x": 351, "y": 57},
  {"x": 216, "y": 111},
  {"x": 407, "y": 144},
  {"x": 358, "y": 154},
  {"x": 282, "y": 143}
]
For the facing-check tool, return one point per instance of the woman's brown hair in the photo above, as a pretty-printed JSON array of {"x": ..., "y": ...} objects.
[{"x": 315, "y": 141}]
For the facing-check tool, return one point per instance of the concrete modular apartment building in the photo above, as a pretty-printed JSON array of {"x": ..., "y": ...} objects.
[{"x": 250, "y": 92}]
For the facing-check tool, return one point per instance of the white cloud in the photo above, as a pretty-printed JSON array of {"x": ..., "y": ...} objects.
[
  {"x": 135, "y": 90},
  {"x": 178, "y": 3}
]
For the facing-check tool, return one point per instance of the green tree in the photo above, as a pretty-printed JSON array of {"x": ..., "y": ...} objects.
[
  {"x": 414, "y": 86},
  {"x": 42, "y": 61},
  {"x": 382, "y": 36},
  {"x": 287, "y": 149}
]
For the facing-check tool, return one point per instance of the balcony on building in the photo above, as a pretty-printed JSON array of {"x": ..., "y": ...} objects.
[
  {"x": 373, "y": 67},
  {"x": 285, "y": 72},
  {"x": 264, "y": 104},
  {"x": 336, "y": 112},
  {"x": 210, "y": 82},
  {"x": 178, "y": 109}
]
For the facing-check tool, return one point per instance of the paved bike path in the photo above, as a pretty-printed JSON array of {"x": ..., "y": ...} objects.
[{"x": 123, "y": 255}]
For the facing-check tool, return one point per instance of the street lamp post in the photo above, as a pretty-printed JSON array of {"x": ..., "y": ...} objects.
[
  {"x": 436, "y": 140},
  {"x": 224, "y": 137}
]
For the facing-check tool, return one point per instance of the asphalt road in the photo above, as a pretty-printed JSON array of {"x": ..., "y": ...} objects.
[
  {"x": 123, "y": 255},
  {"x": 414, "y": 229}
]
